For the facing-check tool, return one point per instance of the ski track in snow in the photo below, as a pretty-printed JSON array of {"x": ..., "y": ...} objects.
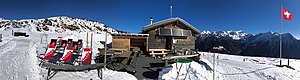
[{"x": 15, "y": 56}]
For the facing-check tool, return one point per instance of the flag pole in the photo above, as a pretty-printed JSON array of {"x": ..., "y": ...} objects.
[{"x": 280, "y": 53}]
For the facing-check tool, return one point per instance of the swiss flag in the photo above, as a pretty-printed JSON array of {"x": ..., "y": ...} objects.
[{"x": 286, "y": 14}]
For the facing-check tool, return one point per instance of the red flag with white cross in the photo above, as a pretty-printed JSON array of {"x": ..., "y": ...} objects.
[{"x": 286, "y": 14}]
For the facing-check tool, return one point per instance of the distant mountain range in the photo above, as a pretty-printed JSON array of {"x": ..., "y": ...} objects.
[
  {"x": 240, "y": 43},
  {"x": 57, "y": 24}
]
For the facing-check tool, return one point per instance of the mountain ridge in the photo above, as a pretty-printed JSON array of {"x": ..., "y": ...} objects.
[{"x": 261, "y": 44}]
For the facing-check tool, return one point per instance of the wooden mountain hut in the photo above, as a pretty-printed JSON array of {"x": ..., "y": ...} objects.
[{"x": 170, "y": 34}]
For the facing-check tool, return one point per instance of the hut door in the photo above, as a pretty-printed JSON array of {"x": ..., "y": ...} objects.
[{"x": 169, "y": 42}]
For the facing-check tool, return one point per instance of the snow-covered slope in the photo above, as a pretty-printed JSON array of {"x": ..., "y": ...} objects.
[
  {"x": 56, "y": 24},
  {"x": 61, "y": 26},
  {"x": 231, "y": 67}
]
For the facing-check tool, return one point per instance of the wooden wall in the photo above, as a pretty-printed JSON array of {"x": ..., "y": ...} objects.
[
  {"x": 121, "y": 43},
  {"x": 187, "y": 43},
  {"x": 154, "y": 41},
  {"x": 138, "y": 42},
  {"x": 159, "y": 42}
]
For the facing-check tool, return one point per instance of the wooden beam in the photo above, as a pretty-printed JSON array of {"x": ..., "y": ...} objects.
[
  {"x": 105, "y": 48},
  {"x": 87, "y": 39},
  {"x": 134, "y": 37},
  {"x": 147, "y": 44},
  {"x": 129, "y": 44},
  {"x": 91, "y": 41}
]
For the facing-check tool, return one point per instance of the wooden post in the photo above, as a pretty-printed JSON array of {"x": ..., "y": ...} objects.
[
  {"x": 288, "y": 62},
  {"x": 105, "y": 48},
  {"x": 147, "y": 46},
  {"x": 218, "y": 59},
  {"x": 87, "y": 39},
  {"x": 0, "y": 37},
  {"x": 214, "y": 66},
  {"x": 129, "y": 44},
  {"x": 91, "y": 41}
]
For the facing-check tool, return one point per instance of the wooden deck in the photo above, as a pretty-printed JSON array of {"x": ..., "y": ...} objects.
[{"x": 145, "y": 67}]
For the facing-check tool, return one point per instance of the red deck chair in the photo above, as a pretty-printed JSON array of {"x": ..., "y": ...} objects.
[
  {"x": 64, "y": 44},
  {"x": 75, "y": 46},
  {"x": 68, "y": 53},
  {"x": 59, "y": 39},
  {"x": 50, "y": 51},
  {"x": 86, "y": 56}
]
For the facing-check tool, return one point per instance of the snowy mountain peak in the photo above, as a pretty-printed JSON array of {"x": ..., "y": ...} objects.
[
  {"x": 205, "y": 32},
  {"x": 236, "y": 35}
]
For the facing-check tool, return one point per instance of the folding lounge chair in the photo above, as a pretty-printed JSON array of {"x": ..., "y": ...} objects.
[
  {"x": 68, "y": 53},
  {"x": 50, "y": 52},
  {"x": 86, "y": 56}
]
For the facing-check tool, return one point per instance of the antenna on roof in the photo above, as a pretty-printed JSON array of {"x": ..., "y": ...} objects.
[{"x": 171, "y": 7}]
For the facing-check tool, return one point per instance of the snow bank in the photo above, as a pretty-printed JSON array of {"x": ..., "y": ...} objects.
[{"x": 201, "y": 70}]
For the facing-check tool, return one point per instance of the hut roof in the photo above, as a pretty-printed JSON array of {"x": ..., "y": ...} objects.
[{"x": 170, "y": 20}]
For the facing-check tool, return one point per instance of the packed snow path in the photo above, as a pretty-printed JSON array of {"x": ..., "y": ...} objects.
[
  {"x": 241, "y": 68},
  {"x": 15, "y": 60}
]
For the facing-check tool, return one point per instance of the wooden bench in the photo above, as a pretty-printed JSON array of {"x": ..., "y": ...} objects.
[{"x": 155, "y": 52}]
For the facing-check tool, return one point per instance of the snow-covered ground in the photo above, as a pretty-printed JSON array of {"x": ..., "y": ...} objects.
[
  {"x": 19, "y": 62},
  {"x": 189, "y": 71},
  {"x": 231, "y": 67}
]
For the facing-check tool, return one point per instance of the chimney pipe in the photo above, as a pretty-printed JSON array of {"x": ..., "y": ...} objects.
[{"x": 151, "y": 20}]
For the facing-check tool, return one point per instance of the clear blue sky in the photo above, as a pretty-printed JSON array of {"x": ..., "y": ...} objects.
[{"x": 251, "y": 16}]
